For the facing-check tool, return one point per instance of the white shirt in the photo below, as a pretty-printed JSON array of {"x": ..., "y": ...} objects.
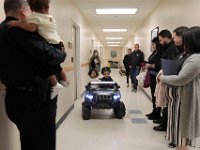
[
  {"x": 94, "y": 80},
  {"x": 46, "y": 26}
]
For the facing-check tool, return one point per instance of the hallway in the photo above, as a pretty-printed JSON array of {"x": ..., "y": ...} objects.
[
  {"x": 82, "y": 30},
  {"x": 104, "y": 132}
]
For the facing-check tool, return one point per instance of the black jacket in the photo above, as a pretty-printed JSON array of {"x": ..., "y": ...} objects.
[
  {"x": 23, "y": 54},
  {"x": 155, "y": 58},
  {"x": 137, "y": 57},
  {"x": 171, "y": 51},
  {"x": 92, "y": 62},
  {"x": 107, "y": 79},
  {"x": 127, "y": 61}
]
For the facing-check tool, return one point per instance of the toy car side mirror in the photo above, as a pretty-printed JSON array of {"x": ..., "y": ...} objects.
[
  {"x": 117, "y": 86},
  {"x": 88, "y": 85}
]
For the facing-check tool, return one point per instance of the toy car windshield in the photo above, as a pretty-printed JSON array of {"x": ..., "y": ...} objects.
[{"x": 102, "y": 84}]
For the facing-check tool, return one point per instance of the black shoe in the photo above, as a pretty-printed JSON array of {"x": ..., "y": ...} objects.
[
  {"x": 171, "y": 145},
  {"x": 159, "y": 121},
  {"x": 161, "y": 127},
  {"x": 150, "y": 114},
  {"x": 154, "y": 117},
  {"x": 134, "y": 90}
]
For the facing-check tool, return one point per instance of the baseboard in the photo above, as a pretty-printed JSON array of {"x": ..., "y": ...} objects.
[{"x": 64, "y": 116}]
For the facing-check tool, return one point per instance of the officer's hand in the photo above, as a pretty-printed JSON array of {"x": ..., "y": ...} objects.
[{"x": 13, "y": 23}]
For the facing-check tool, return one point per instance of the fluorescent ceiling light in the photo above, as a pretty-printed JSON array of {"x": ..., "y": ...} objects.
[
  {"x": 117, "y": 11},
  {"x": 113, "y": 42},
  {"x": 113, "y": 45},
  {"x": 114, "y": 38},
  {"x": 114, "y": 30}
]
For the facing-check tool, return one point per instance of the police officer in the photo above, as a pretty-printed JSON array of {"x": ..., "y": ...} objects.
[
  {"x": 137, "y": 57},
  {"x": 126, "y": 62},
  {"x": 22, "y": 55}
]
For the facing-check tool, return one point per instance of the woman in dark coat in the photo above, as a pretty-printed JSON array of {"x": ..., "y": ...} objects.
[
  {"x": 95, "y": 61},
  {"x": 154, "y": 65}
]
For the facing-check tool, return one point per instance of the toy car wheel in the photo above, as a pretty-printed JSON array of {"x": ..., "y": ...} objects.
[
  {"x": 120, "y": 111},
  {"x": 86, "y": 112}
]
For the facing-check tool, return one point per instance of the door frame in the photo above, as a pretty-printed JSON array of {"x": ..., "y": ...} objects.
[{"x": 77, "y": 62}]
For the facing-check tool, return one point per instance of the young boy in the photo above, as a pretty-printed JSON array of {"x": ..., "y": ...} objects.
[
  {"x": 40, "y": 21},
  {"x": 106, "y": 74}
]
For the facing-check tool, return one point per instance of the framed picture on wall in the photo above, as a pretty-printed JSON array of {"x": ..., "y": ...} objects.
[
  {"x": 113, "y": 54},
  {"x": 154, "y": 32}
]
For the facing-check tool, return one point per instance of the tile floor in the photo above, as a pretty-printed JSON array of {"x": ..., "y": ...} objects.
[{"x": 104, "y": 132}]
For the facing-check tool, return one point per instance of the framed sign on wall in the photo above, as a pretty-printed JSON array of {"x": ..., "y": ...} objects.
[{"x": 154, "y": 32}]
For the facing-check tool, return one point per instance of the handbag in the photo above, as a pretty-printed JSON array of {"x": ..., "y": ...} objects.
[
  {"x": 147, "y": 79},
  {"x": 141, "y": 77},
  {"x": 144, "y": 78}
]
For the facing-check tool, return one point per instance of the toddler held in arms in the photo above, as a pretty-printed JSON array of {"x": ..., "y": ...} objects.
[{"x": 42, "y": 22}]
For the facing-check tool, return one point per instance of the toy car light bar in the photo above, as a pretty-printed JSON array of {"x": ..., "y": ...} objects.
[{"x": 102, "y": 82}]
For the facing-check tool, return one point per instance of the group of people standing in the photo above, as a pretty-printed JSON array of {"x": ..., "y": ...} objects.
[
  {"x": 175, "y": 98},
  {"x": 132, "y": 62},
  {"x": 27, "y": 55}
]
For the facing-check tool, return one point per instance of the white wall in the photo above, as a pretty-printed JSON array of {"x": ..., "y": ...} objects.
[
  {"x": 107, "y": 52},
  {"x": 69, "y": 15},
  {"x": 66, "y": 14},
  {"x": 169, "y": 14}
]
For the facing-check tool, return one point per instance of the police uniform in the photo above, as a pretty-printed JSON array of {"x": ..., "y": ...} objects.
[
  {"x": 137, "y": 57},
  {"x": 22, "y": 55}
]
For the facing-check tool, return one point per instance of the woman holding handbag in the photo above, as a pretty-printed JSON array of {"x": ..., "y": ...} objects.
[
  {"x": 154, "y": 66},
  {"x": 95, "y": 61}
]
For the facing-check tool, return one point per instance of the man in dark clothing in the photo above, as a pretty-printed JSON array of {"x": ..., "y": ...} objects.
[
  {"x": 22, "y": 55},
  {"x": 127, "y": 63},
  {"x": 137, "y": 57},
  {"x": 170, "y": 53}
]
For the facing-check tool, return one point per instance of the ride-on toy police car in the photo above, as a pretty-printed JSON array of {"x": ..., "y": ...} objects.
[{"x": 103, "y": 95}]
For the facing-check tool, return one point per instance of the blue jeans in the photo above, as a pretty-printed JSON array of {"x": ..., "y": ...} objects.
[{"x": 135, "y": 72}]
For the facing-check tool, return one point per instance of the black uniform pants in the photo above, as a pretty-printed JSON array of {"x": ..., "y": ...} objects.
[
  {"x": 128, "y": 74},
  {"x": 35, "y": 120},
  {"x": 135, "y": 72},
  {"x": 153, "y": 87}
]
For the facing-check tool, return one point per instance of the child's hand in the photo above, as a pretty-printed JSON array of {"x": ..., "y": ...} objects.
[
  {"x": 63, "y": 49},
  {"x": 13, "y": 23},
  {"x": 158, "y": 77},
  {"x": 62, "y": 46}
]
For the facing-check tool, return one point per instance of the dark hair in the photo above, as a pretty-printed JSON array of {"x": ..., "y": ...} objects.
[
  {"x": 191, "y": 40},
  {"x": 90, "y": 72},
  {"x": 137, "y": 45},
  {"x": 13, "y": 5},
  {"x": 165, "y": 33},
  {"x": 104, "y": 69},
  {"x": 180, "y": 30},
  {"x": 95, "y": 51},
  {"x": 157, "y": 42},
  {"x": 38, "y": 5},
  {"x": 129, "y": 49}
]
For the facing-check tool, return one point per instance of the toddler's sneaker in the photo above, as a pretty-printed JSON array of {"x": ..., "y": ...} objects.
[
  {"x": 55, "y": 90},
  {"x": 64, "y": 83}
]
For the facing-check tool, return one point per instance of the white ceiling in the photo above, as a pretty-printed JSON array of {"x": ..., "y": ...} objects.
[{"x": 130, "y": 22}]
